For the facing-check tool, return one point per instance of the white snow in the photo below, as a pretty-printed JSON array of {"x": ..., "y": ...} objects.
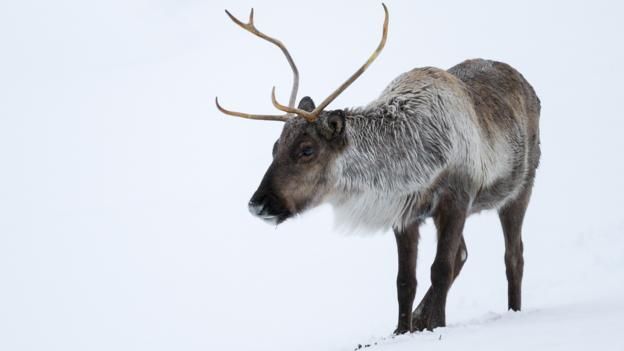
[
  {"x": 577, "y": 326},
  {"x": 123, "y": 191},
  {"x": 577, "y": 311}
]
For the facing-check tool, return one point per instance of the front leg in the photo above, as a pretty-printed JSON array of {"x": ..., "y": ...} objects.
[
  {"x": 407, "y": 246},
  {"x": 420, "y": 315},
  {"x": 450, "y": 217}
]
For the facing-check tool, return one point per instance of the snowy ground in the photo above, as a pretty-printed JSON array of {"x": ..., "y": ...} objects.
[
  {"x": 576, "y": 326},
  {"x": 123, "y": 220},
  {"x": 580, "y": 311}
]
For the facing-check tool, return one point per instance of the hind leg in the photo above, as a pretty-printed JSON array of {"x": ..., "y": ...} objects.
[{"x": 511, "y": 218}]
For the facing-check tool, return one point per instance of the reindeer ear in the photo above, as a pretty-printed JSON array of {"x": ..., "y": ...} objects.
[
  {"x": 333, "y": 125},
  {"x": 306, "y": 104}
]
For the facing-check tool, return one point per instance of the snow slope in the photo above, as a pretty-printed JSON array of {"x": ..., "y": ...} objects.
[
  {"x": 123, "y": 192},
  {"x": 579, "y": 326},
  {"x": 577, "y": 311}
]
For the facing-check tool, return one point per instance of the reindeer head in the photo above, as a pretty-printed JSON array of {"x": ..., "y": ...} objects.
[{"x": 301, "y": 174}]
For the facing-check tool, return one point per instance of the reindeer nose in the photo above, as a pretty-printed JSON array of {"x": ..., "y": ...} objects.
[{"x": 255, "y": 208}]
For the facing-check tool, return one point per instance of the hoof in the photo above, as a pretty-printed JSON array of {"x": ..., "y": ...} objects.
[{"x": 401, "y": 330}]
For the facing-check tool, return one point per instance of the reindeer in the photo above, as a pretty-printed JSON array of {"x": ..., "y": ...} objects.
[{"x": 435, "y": 143}]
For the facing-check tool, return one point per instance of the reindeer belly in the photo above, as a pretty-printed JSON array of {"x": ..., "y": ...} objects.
[{"x": 497, "y": 194}]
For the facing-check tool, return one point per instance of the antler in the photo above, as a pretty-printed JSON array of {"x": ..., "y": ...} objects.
[
  {"x": 312, "y": 116},
  {"x": 290, "y": 109},
  {"x": 250, "y": 27},
  {"x": 282, "y": 118}
]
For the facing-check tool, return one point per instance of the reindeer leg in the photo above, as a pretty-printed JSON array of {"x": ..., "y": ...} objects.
[
  {"x": 407, "y": 246},
  {"x": 418, "y": 316},
  {"x": 450, "y": 217},
  {"x": 511, "y": 218}
]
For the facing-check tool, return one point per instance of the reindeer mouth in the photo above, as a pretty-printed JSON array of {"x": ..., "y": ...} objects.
[
  {"x": 274, "y": 219},
  {"x": 269, "y": 214}
]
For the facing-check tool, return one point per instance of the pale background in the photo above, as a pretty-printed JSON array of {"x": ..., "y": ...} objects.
[{"x": 123, "y": 191}]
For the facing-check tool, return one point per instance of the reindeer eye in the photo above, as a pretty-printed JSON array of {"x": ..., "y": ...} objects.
[{"x": 307, "y": 151}]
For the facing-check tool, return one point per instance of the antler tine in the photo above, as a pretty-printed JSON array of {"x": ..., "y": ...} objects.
[
  {"x": 250, "y": 27},
  {"x": 361, "y": 70},
  {"x": 282, "y": 118},
  {"x": 305, "y": 114}
]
